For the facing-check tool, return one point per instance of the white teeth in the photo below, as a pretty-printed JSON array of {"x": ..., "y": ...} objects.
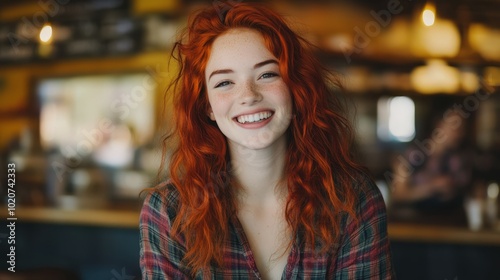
[{"x": 254, "y": 117}]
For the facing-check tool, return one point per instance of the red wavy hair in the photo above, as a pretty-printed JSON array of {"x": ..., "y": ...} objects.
[{"x": 319, "y": 168}]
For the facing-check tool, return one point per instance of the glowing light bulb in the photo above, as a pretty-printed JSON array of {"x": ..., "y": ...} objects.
[
  {"x": 429, "y": 14},
  {"x": 46, "y": 34}
]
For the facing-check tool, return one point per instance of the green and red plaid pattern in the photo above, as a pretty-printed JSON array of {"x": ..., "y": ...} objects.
[{"x": 363, "y": 252}]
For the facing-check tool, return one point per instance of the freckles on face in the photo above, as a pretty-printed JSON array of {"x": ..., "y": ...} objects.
[{"x": 246, "y": 93}]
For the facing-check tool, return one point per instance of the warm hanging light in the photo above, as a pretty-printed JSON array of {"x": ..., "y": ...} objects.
[
  {"x": 434, "y": 37},
  {"x": 439, "y": 40},
  {"x": 429, "y": 14},
  {"x": 46, "y": 34},
  {"x": 485, "y": 40},
  {"x": 435, "y": 77},
  {"x": 45, "y": 48}
]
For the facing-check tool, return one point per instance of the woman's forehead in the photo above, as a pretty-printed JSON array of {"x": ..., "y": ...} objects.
[{"x": 237, "y": 47}]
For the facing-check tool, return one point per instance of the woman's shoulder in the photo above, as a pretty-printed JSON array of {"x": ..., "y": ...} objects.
[
  {"x": 163, "y": 199},
  {"x": 368, "y": 195},
  {"x": 369, "y": 210},
  {"x": 364, "y": 185}
]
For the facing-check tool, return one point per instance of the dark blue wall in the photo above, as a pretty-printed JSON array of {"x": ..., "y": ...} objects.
[
  {"x": 92, "y": 252},
  {"x": 113, "y": 254},
  {"x": 431, "y": 261}
]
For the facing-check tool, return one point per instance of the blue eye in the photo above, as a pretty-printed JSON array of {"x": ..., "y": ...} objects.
[
  {"x": 269, "y": 75},
  {"x": 222, "y": 84}
]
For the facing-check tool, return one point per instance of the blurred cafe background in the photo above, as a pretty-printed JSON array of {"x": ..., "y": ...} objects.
[{"x": 82, "y": 115}]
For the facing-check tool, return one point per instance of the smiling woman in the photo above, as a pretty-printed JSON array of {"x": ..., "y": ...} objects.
[
  {"x": 247, "y": 95},
  {"x": 262, "y": 183}
]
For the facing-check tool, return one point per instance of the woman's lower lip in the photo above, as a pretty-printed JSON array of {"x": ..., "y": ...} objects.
[{"x": 254, "y": 125}]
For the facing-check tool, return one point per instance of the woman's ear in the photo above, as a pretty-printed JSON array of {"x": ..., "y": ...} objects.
[{"x": 211, "y": 114}]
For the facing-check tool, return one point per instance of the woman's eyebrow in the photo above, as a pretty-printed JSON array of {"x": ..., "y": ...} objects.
[
  {"x": 265, "y": 62},
  {"x": 221, "y": 71}
]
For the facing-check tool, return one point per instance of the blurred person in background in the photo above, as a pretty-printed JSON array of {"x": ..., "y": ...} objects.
[
  {"x": 263, "y": 185},
  {"x": 436, "y": 173}
]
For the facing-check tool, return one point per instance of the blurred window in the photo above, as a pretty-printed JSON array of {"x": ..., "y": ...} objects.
[
  {"x": 103, "y": 116},
  {"x": 396, "y": 119}
]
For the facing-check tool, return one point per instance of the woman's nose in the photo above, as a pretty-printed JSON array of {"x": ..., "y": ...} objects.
[{"x": 250, "y": 94}]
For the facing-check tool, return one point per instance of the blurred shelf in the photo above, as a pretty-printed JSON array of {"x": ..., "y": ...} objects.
[
  {"x": 145, "y": 61},
  {"x": 400, "y": 62},
  {"x": 442, "y": 234},
  {"x": 92, "y": 217}
]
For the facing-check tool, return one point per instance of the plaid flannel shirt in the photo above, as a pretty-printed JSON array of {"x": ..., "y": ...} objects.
[{"x": 363, "y": 251}]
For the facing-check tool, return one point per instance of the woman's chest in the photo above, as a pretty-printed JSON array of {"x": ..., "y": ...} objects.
[{"x": 269, "y": 240}]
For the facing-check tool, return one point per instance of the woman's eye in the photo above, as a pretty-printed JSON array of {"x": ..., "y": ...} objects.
[
  {"x": 222, "y": 84},
  {"x": 269, "y": 75}
]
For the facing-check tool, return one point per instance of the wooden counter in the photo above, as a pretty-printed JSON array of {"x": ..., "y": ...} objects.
[
  {"x": 442, "y": 234},
  {"x": 398, "y": 231},
  {"x": 92, "y": 217}
]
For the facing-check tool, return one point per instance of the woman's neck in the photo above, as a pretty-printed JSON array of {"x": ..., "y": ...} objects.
[{"x": 258, "y": 172}]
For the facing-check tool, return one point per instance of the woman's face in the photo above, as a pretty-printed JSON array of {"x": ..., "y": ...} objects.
[{"x": 248, "y": 98}]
